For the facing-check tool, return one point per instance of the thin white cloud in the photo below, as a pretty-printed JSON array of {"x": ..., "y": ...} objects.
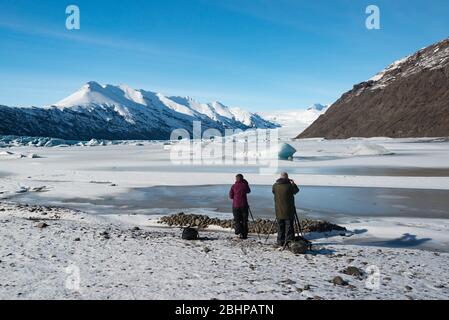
[
  {"x": 96, "y": 40},
  {"x": 290, "y": 14}
]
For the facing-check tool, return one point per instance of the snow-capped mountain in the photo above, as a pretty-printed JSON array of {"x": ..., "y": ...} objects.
[
  {"x": 317, "y": 107},
  {"x": 410, "y": 98},
  {"x": 292, "y": 121},
  {"x": 120, "y": 113}
]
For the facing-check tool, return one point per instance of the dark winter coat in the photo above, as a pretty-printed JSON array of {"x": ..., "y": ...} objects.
[
  {"x": 284, "y": 197},
  {"x": 238, "y": 194}
]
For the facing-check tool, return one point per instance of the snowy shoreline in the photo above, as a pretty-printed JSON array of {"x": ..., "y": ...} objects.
[{"x": 81, "y": 256}]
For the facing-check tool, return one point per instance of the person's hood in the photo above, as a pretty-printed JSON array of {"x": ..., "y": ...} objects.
[{"x": 283, "y": 181}]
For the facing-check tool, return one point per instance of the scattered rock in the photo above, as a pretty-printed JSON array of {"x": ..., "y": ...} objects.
[
  {"x": 261, "y": 226},
  {"x": 299, "y": 247},
  {"x": 306, "y": 287},
  {"x": 338, "y": 281},
  {"x": 408, "y": 288},
  {"x": 288, "y": 282},
  {"x": 42, "y": 225},
  {"x": 39, "y": 189},
  {"x": 207, "y": 250},
  {"x": 100, "y": 182},
  {"x": 77, "y": 239},
  {"x": 353, "y": 271},
  {"x": 105, "y": 235}
]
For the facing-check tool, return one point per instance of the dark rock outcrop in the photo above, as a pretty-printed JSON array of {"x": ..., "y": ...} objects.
[
  {"x": 408, "y": 99},
  {"x": 262, "y": 226},
  {"x": 353, "y": 271}
]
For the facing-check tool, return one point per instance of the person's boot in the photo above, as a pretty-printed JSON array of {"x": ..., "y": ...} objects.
[{"x": 243, "y": 237}]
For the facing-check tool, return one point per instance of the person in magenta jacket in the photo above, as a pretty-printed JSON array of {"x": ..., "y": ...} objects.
[{"x": 240, "y": 207}]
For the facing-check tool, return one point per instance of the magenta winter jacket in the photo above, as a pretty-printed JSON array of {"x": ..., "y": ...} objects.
[{"x": 238, "y": 194}]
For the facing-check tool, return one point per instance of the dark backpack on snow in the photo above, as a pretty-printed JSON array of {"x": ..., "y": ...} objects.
[{"x": 190, "y": 234}]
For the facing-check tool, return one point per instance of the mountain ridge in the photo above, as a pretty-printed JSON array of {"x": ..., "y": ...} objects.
[{"x": 122, "y": 113}]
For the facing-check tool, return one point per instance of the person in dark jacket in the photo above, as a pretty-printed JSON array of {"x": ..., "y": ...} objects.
[
  {"x": 240, "y": 207},
  {"x": 284, "y": 191}
]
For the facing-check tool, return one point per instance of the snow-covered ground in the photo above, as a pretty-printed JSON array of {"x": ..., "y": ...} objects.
[{"x": 80, "y": 256}]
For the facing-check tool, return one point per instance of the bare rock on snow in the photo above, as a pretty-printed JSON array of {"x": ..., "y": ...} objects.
[
  {"x": 34, "y": 156},
  {"x": 39, "y": 189},
  {"x": 338, "y": 281},
  {"x": 353, "y": 271},
  {"x": 262, "y": 226},
  {"x": 207, "y": 250},
  {"x": 105, "y": 235},
  {"x": 42, "y": 225},
  {"x": 299, "y": 247}
]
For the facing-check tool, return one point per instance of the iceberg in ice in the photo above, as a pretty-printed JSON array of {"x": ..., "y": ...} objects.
[
  {"x": 282, "y": 151},
  {"x": 286, "y": 152}
]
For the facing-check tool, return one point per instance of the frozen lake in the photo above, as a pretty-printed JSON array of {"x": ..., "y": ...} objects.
[
  {"x": 324, "y": 170},
  {"x": 410, "y": 180},
  {"x": 332, "y": 203}
]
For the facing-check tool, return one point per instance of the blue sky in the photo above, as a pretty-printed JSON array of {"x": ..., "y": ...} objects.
[{"x": 258, "y": 54}]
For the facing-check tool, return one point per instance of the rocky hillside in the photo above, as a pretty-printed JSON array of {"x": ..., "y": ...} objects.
[{"x": 408, "y": 99}]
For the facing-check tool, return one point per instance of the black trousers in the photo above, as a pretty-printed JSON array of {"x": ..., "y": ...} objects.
[
  {"x": 241, "y": 220},
  {"x": 286, "y": 231}
]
